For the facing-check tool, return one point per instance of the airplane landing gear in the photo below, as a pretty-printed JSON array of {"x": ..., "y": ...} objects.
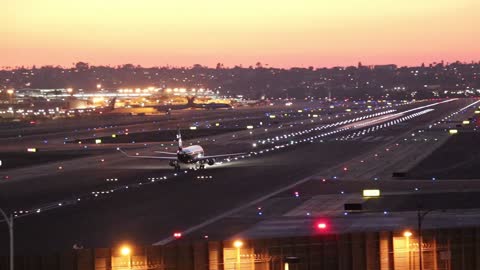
[
  {"x": 175, "y": 165},
  {"x": 200, "y": 166}
]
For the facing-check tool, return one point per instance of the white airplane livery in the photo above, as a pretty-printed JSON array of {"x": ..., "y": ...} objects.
[{"x": 187, "y": 155}]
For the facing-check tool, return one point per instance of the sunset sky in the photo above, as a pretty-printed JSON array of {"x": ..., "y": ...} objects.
[{"x": 279, "y": 33}]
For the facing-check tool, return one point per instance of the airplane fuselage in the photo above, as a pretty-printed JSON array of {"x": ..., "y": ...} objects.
[{"x": 190, "y": 154}]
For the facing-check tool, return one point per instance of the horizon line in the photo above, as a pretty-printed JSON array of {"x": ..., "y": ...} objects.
[{"x": 263, "y": 65}]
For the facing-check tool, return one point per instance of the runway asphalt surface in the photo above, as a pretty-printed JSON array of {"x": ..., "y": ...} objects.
[{"x": 151, "y": 212}]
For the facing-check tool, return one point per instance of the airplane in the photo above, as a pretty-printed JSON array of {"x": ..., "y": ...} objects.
[{"x": 187, "y": 155}]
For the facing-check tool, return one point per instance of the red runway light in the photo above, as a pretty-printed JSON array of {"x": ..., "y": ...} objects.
[{"x": 177, "y": 235}]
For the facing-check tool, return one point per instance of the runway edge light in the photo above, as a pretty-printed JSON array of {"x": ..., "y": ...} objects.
[
  {"x": 371, "y": 193},
  {"x": 321, "y": 226}
]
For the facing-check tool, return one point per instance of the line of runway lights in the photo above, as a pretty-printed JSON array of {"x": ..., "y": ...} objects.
[
  {"x": 301, "y": 113},
  {"x": 126, "y": 131},
  {"x": 282, "y": 114},
  {"x": 318, "y": 117},
  {"x": 462, "y": 110},
  {"x": 272, "y": 140},
  {"x": 291, "y": 124},
  {"x": 198, "y": 123},
  {"x": 387, "y": 149},
  {"x": 402, "y": 119},
  {"x": 150, "y": 180},
  {"x": 450, "y": 116},
  {"x": 377, "y": 128},
  {"x": 260, "y": 210},
  {"x": 275, "y": 139},
  {"x": 289, "y": 113},
  {"x": 415, "y": 189},
  {"x": 383, "y": 125},
  {"x": 306, "y": 131},
  {"x": 95, "y": 194}
]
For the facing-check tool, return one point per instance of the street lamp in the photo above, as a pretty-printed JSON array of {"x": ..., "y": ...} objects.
[
  {"x": 9, "y": 221},
  {"x": 238, "y": 245},
  {"x": 126, "y": 251},
  {"x": 407, "y": 235}
]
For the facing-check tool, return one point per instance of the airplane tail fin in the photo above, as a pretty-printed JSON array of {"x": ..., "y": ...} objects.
[
  {"x": 179, "y": 139},
  {"x": 190, "y": 101},
  {"x": 111, "y": 106}
]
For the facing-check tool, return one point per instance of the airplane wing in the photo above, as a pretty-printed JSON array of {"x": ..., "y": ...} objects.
[
  {"x": 152, "y": 157},
  {"x": 224, "y": 155},
  {"x": 165, "y": 153}
]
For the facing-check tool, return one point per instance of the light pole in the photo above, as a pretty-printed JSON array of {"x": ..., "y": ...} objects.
[
  {"x": 238, "y": 245},
  {"x": 127, "y": 251},
  {"x": 420, "y": 217},
  {"x": 407, "y": 236},
  {"x": 9, "y": 221}
]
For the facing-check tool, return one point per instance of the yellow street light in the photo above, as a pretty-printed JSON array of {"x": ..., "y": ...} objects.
[
  {"x": 125, "y": 251},
  {"x": 238, "y": 244},
  {"x": 407, "y": 235},
  {"x": 10, "y": 91}
]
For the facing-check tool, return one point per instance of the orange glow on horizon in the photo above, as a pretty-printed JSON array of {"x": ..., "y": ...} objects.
[{"x": 278, "y": 33}]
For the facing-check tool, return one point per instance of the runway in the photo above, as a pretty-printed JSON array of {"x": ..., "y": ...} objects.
[{"x": 106, "y": 199}]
